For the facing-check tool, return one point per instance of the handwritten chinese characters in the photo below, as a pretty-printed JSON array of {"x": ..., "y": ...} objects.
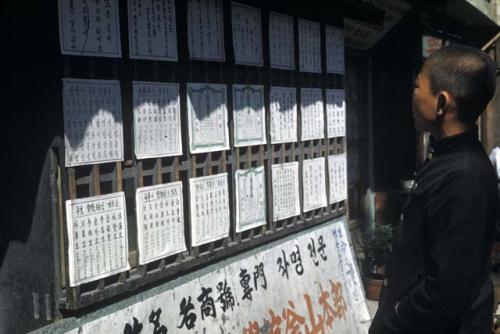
[
  {"x": 250, "y": 198},
  {"x": 97, "y": 237},
  {"x": 89, "y": 28},
  {"x": 285, "y": 178},
  {"x": 334, "y": 42},
  {"x": 152, "y": 30},
  {"x": 313, "y": 119},
  {"x": 160, "y": 221},
  {"x": 207, "y": 116},
  {"x": 337, "y": 171},
  {"x": 281, "y": 41},
  {"x": 335, "y": 112},
  {"x": 92, "y": 121},
  {"x": 314, "y": 183},
  {"x": 249, "y": 115},
  {"x": 205, "y": 30},
  {"x": 309, "y": 46},
  {"x": 157, "y": 124},
  {"x": 247, "y": 35},
  {"x": 283, "y": 106},
  {"x": 209, "y": 201}
]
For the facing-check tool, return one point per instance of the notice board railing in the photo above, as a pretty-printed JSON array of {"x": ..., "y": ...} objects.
[{"x": 130, "y": 174}]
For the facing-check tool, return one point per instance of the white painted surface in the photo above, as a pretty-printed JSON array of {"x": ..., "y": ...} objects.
[{"x": 322, "y": 291}]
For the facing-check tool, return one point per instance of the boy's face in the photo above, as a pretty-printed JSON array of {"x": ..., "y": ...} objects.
[{"x": 424, "y": 104}]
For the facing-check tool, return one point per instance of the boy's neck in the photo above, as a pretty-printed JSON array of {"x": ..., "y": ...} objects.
[{"x": 448, "y": 130}]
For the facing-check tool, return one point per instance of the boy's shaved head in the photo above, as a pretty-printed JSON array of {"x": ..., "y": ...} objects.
[{"x": 468, "y": 74}]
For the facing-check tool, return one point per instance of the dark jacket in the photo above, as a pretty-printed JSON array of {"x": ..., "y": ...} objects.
[{"x": 438, "y": 272}]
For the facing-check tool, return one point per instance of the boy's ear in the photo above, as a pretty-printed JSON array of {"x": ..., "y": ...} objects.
[
  {"x": 444, "y": 102},
  {"x": 441, "y": 102}
]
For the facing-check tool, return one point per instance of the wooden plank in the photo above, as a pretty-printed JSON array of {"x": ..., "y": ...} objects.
[
  {"x": 223, "y": 169},
  {"x": 95, "y": 182},
  {"x": 223, "y": 162},
  {"x": 249, "y": 157},
  {"x": 233, "y": 195},
  {"x": 267, "y": 178},
  {"x": 270, "y": 187},
  {"x": 175, "y": 169},
  {"x": 158, "y": 168},
  {"x": 140, "y": 174},
  {"x": 73, "y": 295},
  {"x": 63, "y": 256},
  {"x": 194, "y": 249},
  {"x": 119, "y": 178},
  {"x": 208, "y": 164},
  {"x": 119, "y": 187},
  {"x": 71, "y": 183}
]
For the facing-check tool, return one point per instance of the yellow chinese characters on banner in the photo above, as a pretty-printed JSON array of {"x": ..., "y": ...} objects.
[{"x": 322, "y": 313}]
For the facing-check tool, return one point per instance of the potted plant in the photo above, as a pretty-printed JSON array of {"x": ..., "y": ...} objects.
[{"x": 376, "y": 244}]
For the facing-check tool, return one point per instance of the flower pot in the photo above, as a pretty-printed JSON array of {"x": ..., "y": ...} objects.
[{"x": 373, "y": 286}]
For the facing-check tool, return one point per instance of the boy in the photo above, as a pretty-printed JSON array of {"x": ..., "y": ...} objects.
[{"x": 438, "y": 274}]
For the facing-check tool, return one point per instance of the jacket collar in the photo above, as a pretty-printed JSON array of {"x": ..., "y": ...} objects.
[{"x": 452, "y": 143}]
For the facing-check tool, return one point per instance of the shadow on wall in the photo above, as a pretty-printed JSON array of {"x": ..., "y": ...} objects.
[
  {"x": 31, "y": 119},
  {"x": 27, "y": 231}
]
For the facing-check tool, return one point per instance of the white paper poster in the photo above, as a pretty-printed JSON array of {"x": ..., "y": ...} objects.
[
  {"x": 152, "y": 30},
  {"x": 205, "y": 30},
  {"x": 309, "y": 46},
  {"x": 312, "y": 113},
  {"x": 157, "y": 120},
  {"x": 305, "y": 283},
  {"x": 247, "y": 34},
  {"x": 209, "y": 203},
  {"x": 283, "y": 106},
  {"x": 160, "y": 221},
  {"x": 93, "y": 131},
  {"x": 337, "y": 172},
  {"x": 314, "y": 183},
  {"x": 334, "y": 42},
  {"x": 207, "y": 117},
  {"x": 97, "y": 237},
  {"x": 250, "y": 198},
  {"x": 335, "y": 112},
  {"x": 285, "y": 178},
  {"x": 281, "y": 41},
  {"x": 89, "y": 28},
  {"x": 249, "y": 115}
]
